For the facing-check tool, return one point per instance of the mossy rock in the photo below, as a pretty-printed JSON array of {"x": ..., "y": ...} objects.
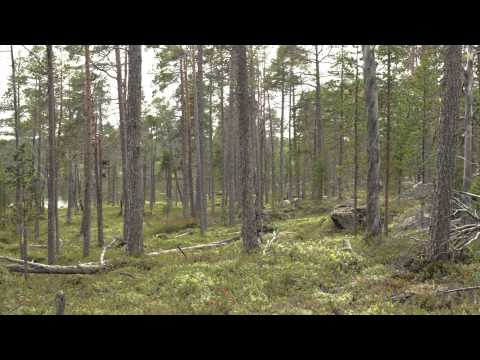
[{"x": 343, "y": 216}]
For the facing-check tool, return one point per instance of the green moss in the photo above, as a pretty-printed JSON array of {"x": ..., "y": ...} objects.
[{"x": 307, "y": 272}]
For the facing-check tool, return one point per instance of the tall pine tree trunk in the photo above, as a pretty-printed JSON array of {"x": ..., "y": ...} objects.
[
  {"x": 373, "y": 175},
  {"x": 355, "y": 156},
  {"x": 440, "y": 228},
  {"x": 88, "y": 145},
  {"x": 122, "y": 120},
  {"x": 152, "y": 173},
  {"x": 282, "y": 154},
  {"x": 387, "y": 140},
  {"x": 19, "y": 181},
  {"x": 38, "y": 173},
  {"x": 318, "y": 163},
  {"x": 249, "y": 233},
  {"x": 99, "y": 178},
  {"x": 467, "y": 165},
  {"x": 231, "y": 149},
  {"x": 71, "y": 189},
  {"x": 189, "y": 119},
  {"x": 211, "y": 178},
  {"x": 185, "y": 165},
  {"x": 272, "y": 152},
  {"x": 340, "y": 132},
  {"x": 51, "y": 160},
  {"x": 133, "y": 235},
  {"x": 198, "y": 118}
]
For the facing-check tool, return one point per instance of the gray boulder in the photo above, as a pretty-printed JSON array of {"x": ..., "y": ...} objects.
[{"x": 343, "y": 216}]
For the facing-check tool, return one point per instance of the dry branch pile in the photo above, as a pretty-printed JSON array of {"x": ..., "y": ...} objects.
[{"x": 465, "y": 227}]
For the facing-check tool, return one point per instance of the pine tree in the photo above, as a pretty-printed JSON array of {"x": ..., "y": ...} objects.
[
  {"x": 134, "y": 155},
  {"x": 249, "y": 231},
  {"x": 373, "y": 178},
  {"x": 440, "y": 228}
]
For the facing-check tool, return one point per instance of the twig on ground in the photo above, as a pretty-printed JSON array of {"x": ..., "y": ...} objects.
[
  {"x": 179, "y": 248},
  {"x": 127, "y": 274}
]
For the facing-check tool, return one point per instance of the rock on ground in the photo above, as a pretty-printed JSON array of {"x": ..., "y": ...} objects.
[{"x": 343, "y": 216}]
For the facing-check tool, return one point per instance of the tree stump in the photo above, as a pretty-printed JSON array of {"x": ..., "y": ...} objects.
[{"x": 60, "y": 303}]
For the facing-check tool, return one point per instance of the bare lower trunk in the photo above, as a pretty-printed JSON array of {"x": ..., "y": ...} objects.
[
  {"x": 211, "y": 178},
  {"x": 355, "y": 161},
  {"x": 387, "y": 141},
  {"x": 318, "y": 164},
  {"x": 440, "y": 228},
  {"x": 249, "y": 231},
  {"x": 373, "y": 176},
  {"x": 282, "y": 156},
  {"x": 272, "y": 153},
  {"x": 88, "y": 145},
  {"x": 121, "y": 108},
  {"x": 231, "y": 143},
  {"x": 99, "y": 180},
  {"x": 152, "y": 177},
  {"x": 51, "y": 161},
  {"x": 467, "y": 165},
  {"x": 189, "y": 142},
  {"x": 340, "y": 132},
  {"x": 19, "y": 181},
  {"x": 71, "y": 189},
  {"x": 198, "y": 116},
  {"x": 185, "y": 149},
  {"x": 135, "y": 195}
]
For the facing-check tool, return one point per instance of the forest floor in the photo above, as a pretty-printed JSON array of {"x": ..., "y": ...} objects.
[{"x": 307, "y": 271}]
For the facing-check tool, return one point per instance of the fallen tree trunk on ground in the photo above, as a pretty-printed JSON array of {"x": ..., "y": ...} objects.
[
  {"x": 93, "y": 268},
  {"x": 459, "y": 289},
  {"x": 38, "y": 268},
  {"x": 179, "y": 249}
]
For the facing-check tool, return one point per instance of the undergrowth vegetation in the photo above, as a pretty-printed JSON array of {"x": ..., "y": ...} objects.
[{"x": 308, "y": 271}]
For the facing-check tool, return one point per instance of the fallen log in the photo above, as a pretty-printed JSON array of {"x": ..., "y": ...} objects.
[
  {"x": 212, "y": 245},
  {"x": 404, "y": 296},
  {"x": 94, "y": 268},
  {"x": 39, "y": 268},
  {"x": 459, "y": 289}
]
